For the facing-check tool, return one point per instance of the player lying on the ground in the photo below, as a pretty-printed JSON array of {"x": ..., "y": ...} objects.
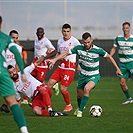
[{"x": 35, "y": 90}]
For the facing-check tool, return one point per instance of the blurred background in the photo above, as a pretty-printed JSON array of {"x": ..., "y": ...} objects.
[{"x": 102, "y": 18}]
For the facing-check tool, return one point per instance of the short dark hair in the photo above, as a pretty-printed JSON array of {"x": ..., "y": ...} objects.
[
  {"x": 0, "y": 19},
  {"x": 9, "y": 66},
  {"x": 66, "y": 26},
  {"x": 40, "y": 29},
  {"x": 86, "y": 35},
  {"x": 13, "y": 31},
  {"x": 126, "y": 23}
]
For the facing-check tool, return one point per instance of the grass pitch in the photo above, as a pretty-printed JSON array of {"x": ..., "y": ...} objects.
[{"x": 115, "y": 118}]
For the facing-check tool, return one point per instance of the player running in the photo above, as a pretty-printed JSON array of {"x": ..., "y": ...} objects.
[
  {"x": 89, "y": 56},
  {"x": 6, "y": 86}
]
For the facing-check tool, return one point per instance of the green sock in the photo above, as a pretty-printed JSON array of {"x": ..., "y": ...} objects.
[
  {"x": 127, "y": 94},
  {"x": 84, "y": 101},
  {"x": 18, "y": 115},
  {"x": 79, "y": 102}
]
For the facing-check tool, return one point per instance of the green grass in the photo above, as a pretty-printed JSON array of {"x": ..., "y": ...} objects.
[{"x": 116, "y": 118}]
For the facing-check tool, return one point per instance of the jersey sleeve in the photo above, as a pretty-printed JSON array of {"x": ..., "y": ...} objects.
[
  {"x": 49, "y": 45},
  {"x": 102, "y": 52},
  {"x": 115, "y": 42},
  {"x": 73, "y": 50},
  {"x": 17, "y": 55},
  {"x": 76, "y": 43},
  {"x": 29, "y": 69},
  {"x": 24, "y": 55}
]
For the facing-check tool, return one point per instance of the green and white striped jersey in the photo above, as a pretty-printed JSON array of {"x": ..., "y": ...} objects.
[
  {"x": 125, "y": 48},
  {"x": 89, "y": 59}
]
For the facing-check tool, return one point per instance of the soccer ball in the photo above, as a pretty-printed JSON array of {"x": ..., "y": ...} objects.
[{"x": 96, "y": 110}]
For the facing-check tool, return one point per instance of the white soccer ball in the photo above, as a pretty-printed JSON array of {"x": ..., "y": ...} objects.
[{"x": 96, "y": 110}]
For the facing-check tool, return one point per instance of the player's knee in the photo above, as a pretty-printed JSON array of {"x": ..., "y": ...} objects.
[
  {"x": 37, "y": 110},
  {"x": 122, "y": 83},
  {"x": 50, "y": 84}
]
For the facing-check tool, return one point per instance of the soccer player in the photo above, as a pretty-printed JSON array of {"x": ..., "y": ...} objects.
[
  {"x": 89, "y": 76},
  {"x": 38, "y": 92},
  {"x": 65, "y": 71},
  {"x": 10, "y": 59},
  {"x": 41, "y": 47},
  {"x": 124, "y": 43},
  {"x": 15, "y": 35},
  {"x": 6, "y": 85}
]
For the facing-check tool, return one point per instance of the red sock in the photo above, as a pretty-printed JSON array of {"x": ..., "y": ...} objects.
[
  {"x": 45, "y": 113},
  {"x": 46, "y": 97},
  {"x": 66, "y": 96},
  {"x": 47, "y": 100}
]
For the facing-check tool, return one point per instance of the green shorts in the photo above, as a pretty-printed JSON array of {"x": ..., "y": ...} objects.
[
  {"x": 83, "y": 80},
  {"x": 6, "y": 85},
  {"x": 126, "y": 68}
]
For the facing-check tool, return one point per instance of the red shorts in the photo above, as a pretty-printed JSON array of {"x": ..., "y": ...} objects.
[
  {"x": 65, "y": 77},
  {"x": 40, "y": 71},
  {"x": 38, "y": 100}
]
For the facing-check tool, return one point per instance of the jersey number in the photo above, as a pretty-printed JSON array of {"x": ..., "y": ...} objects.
[{"x": 66, "y": 77}]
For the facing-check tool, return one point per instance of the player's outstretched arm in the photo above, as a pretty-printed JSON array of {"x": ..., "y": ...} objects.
[
  {"x": 110, "y": 59},
  {"x": 112, "y": 51},
  {"x": 53, "y": 61},
  {"x": 49, "y": 54}
]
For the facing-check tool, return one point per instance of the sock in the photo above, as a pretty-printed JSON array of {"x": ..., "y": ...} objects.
[
  {"x": 46, "y": 97},
  {"x": 79, "y": 102},
  {"x": 66, "y": 96},
  {"x": 45, "y": 113},
  {"x": 24, "y": 129},
  {"x": 18, "y": 115},
  {"x": 127, "y": 94},
  {"x": 84, "y": 101},
  {"x": 49, "y": 109}
]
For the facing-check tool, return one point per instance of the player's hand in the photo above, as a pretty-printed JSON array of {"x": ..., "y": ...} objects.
[
  {"x": 40, "y": 60},
  {"x": 24, "y": 79},
  {"x": 51, "y": 63},
  {"x": 118, "y": 72}
]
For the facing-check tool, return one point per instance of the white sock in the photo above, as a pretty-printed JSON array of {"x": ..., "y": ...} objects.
[
  {"x": 24, "y": 129},
  {"x": 49, "y": 109}
]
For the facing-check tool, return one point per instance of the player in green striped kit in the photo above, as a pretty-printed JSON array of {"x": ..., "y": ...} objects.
[
  {"x": 124, "y": 43},
  {"x": 89, "y": 76},
  {"x": 6, "y": 86}
]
